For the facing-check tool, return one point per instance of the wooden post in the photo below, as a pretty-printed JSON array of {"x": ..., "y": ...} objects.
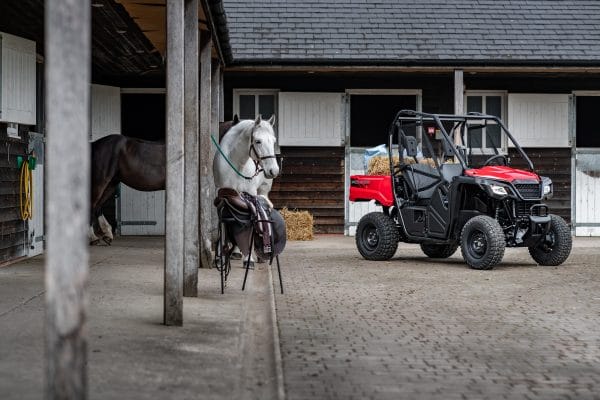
[
  {"x": 221, "y": 96},
  {"x": 206, "y": 176},
  {"x": 214, "y": 127},
  {"x": 458, "y": 99},
  {"x": 192, "y": 203},
  {"x": 68, "y": 55},
  {"x": 173, "y": 296}
]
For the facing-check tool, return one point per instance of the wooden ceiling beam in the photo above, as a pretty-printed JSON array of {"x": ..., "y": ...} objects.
[{"x": 149, "y": 15}]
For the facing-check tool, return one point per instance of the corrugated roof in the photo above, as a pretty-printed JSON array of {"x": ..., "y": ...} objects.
[{"x": 561, "y": 32}]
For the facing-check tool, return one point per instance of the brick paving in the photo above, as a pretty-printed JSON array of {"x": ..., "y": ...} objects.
[{"x": 411, "y": 328}]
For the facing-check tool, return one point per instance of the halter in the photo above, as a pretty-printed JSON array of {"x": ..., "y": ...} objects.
[{"x": 258, "y": 161}]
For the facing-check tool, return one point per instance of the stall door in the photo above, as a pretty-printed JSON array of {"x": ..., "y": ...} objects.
[
  {"x": 587, "y": 167},
  {"x": 142, "y": 116},
  {"x": 36, "y": 224},
  {"x": 370, "y": 118},
  {"x": 142, "y": 213}
]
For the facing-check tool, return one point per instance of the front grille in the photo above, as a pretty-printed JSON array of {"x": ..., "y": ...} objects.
[
  {"x": 523, "y": 208},
  {"x": 529, "y": 190}
]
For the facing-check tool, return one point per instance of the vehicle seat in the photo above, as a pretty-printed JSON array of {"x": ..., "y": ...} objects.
[
  {"x": 422, "y": 180},
  {"x": 449, "y": 171}
]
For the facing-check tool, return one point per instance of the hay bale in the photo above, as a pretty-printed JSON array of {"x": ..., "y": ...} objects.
[
  {"x": 298, "y": 224},
  {"x": 380, "y": 165}
]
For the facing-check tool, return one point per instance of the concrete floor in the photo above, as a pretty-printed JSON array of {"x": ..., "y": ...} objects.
[
  {"x": 410, "y": 328},
  {"x": 225, "y": 349}
]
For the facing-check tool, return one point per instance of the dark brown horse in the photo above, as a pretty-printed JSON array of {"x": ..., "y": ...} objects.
[
  {"x": 118, "y": 159},
  {"x": 139, "y": 164}
]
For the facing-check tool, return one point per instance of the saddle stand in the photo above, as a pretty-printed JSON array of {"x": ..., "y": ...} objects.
[{"x": 241, "y": 214}]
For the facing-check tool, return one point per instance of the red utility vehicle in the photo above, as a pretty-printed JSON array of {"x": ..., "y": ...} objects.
[{"x": 443, "y": 194}]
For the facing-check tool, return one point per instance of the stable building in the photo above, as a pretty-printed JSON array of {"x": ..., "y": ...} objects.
[
  {"x": 335, "y": 73},
  {"x": 128, "y": 97}
]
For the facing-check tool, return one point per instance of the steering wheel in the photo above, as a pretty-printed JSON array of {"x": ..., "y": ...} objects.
[{"x": 496, "y": 157}]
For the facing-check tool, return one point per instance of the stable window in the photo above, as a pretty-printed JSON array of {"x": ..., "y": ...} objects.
[
  {"x": 249, "y": 103},
  {"x": 489, "y": 137}
]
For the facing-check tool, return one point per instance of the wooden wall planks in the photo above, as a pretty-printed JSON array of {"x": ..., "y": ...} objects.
[{"x": 312, "y": 179}]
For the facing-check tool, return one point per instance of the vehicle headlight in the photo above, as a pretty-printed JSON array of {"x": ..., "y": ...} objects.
[
  {"x": 547, "y": 187},
  {"x": 498, "y": 190}
]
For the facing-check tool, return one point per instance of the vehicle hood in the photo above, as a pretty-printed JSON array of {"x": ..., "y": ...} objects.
[{"x": 502, "y": 173}]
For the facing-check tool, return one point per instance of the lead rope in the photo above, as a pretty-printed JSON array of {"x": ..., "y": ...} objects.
[{"x": 258, "y": 170}]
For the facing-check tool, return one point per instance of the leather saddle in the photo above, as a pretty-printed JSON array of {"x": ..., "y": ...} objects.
[{"x": 245, "y": 210}]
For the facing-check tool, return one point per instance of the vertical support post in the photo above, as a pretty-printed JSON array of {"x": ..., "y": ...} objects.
[
  {"x": 459, "y": 93},
  {"x": 173, "y": 296},
  {"x": 192, "y": 157},
  {"x": 215, "y": 118},
  {"x": 68, "y": 70},
  {"x": 206, "y": 176},
  {"x": 221, "y": 95}
]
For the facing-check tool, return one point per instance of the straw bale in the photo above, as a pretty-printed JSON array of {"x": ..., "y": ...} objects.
[
  {"x": 380, "y": 165},
  {"x": 298, "y": 224}
]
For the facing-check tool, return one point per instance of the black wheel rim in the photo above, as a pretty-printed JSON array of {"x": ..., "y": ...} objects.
[
  {"x": 547, "y": 245},
  {"x": 477, "y": 244},
  {"x": 370, "y": 237}
]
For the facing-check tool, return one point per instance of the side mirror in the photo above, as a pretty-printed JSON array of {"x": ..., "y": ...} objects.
[{"x": 410, "y": 145}]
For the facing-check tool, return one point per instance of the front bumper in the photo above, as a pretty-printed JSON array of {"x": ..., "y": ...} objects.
[{"x": 538, "y": 229}]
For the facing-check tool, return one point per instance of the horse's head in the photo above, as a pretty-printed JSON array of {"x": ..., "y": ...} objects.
[{"x": 262, "y": 148}]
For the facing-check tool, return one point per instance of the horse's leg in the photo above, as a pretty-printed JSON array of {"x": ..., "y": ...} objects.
[
  {"x": 94, "y": 240},
  {"x": 105, "y": 228},
  {"x": 99, "y": 187}
]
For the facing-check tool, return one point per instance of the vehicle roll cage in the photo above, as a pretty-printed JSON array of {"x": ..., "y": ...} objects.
[{"x": 416, "y": 118}]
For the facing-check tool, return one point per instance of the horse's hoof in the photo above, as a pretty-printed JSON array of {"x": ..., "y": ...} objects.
[
  {"x": 107, "y": 240},
  {"x": 236, "y": 256},
  {"x": 95, "y": 242},
  {"x": 249, "y": 264}
]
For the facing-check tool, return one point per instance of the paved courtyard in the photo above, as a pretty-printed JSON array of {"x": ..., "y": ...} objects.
[{"x": 413, "y": 328}]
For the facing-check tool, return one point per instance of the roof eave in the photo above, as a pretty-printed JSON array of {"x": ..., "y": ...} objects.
[
  {"x": 217, "y": 20},
  {"x": 306, "y": 62}
]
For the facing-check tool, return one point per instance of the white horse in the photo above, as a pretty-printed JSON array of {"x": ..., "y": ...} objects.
[
  {"x": 250, "y": 148},
  {"x": 248, "y": 161}
]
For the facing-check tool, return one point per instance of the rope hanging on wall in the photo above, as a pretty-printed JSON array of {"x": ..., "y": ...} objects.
[{"x": 26, "y": 192}]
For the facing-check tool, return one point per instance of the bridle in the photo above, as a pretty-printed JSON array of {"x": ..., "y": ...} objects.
[{"x": 258, "y": 160}]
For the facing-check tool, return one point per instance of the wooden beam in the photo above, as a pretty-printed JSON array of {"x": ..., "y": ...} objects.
[
  {"x": 221, "y": 96},
  {"x": 215, "y": 118},
  {"x": 68, "y": 70},
  {"x": 206, "y": 176},
  {"x": 192, "y": 203},
  {"x": 173, "y": 297},
  {"x": 459, "y": 93}
]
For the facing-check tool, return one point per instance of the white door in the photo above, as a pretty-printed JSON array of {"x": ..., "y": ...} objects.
[
  {"x": 142, "y": 213},
  {"x": 311, "y": 119},
  {"x": 587, "y": 201},
  {"x": 106, "y": 111},
  {"x": 356, "y": 210},
  {"x": 36, "y": 224},
  {"x": 587, "y": 165}
]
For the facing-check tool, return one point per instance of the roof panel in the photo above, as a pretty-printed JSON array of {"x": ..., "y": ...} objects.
[{"x": 400, "y": 31}]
